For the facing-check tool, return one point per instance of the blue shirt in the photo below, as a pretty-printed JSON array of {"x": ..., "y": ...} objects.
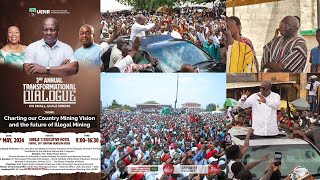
[
  {"x": 90, "y": 56},
  {"x": 315, "y": 55}
]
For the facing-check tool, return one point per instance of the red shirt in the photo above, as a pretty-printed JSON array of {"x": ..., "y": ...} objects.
[{"x": 211, "y": 153}]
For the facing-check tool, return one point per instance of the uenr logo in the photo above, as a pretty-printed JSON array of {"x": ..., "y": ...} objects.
[{"x": 43, "y": 11}]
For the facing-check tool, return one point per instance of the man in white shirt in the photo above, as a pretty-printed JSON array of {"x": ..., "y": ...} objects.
[
  {"x": 49, "y": 55},
  {"x": 264, "y": 106},
  {"x": 312, "y": 97},
  {"x": 172, "y": 30},
  {"x": 116, "y": 53},
  {"x": 138, "y": 28}
]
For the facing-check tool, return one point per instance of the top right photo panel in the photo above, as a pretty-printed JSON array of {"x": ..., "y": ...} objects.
[{"x": 272, "y": 36}]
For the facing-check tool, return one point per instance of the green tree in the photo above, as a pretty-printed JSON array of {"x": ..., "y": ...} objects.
[
  {"x": 211, "y": 107},
  {"x": 127, "y": 107},
  {"x": 115, "y": 104}
]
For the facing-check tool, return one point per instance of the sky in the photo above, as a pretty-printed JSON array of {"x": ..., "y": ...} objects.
[{"x": 137, "y": 88}]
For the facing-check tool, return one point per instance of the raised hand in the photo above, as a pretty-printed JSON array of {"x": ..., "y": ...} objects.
[{"x": 262, "y": 98}]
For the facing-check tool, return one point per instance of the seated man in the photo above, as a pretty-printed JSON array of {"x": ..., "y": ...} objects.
[
  {"x": 49, "y": 55},
  {"x": 126, "y": 64},
  {"x": 288, "y": 52}
]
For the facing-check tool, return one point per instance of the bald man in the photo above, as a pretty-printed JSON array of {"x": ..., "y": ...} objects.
[
  {"x": 288, "y": 52},
  {"x": 49, "y": 55},
  {"x": 264, "y": 106},
  {"x": 138, "y": 28}
]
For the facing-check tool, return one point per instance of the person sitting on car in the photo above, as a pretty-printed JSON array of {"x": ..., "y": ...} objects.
[
  {"x": 126, "y": 64},
  {"x": 116, "y": 53}
]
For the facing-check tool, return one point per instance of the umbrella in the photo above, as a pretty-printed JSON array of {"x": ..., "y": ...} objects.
[
  {"x": 301, "y": 104},
  {"x": 231, "y": 102},
  {"x": 283, "y": 104}
]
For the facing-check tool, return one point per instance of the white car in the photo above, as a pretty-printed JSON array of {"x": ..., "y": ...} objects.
[{"x": 295, "y": 152}]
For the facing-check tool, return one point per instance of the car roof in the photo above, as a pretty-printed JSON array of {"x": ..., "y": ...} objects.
[
  {"x": 238, "y": 135},
  {"x": 152, "y": 39}
]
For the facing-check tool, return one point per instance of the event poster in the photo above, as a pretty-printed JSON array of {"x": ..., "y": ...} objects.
[{"x": 50, "y": 103}]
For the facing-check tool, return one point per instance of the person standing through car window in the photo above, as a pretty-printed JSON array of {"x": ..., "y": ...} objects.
[
  {"x": 264, "y": 109},
  {"x": 138, "y": 28}
]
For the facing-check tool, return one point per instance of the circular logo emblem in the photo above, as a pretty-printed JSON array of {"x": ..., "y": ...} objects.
[
  {"x": 168, "y": 169},
  {"x": 214, "y": 169}
]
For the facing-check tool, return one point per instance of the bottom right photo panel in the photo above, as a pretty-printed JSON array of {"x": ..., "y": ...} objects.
[{"x": 274, "y": 117}]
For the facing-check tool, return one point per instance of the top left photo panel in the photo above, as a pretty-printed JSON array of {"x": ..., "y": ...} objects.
[{"x": 163, "y": 36}]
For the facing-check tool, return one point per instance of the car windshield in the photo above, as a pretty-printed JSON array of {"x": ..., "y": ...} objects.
[
  {"x": 293, "y": 155},
  {"x": 172, "y": 56}
]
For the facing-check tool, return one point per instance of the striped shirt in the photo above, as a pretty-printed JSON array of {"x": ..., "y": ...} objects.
[
  {"x": 240, "y": 58},
  {"x": 292, "y": 53}
]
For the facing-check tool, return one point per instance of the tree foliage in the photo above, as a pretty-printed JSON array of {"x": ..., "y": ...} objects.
[
  {"x": 150, "y": 5},
  {"x": 211, "y": 107},
  {"x": 115, "y": 105}
]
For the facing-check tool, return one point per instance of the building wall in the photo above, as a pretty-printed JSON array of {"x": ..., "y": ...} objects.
[{"x": 260, "y": 21}]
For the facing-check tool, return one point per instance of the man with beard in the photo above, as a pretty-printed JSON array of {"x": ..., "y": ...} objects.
[
  {"x": 288, "y": 52},
  {"x": 264, "y": 109},
  {"x": 49, "y": 55}
]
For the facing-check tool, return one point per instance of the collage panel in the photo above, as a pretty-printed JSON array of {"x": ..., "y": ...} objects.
[
  {"x": 50, "y": 96},
  {"x": 161, "y": 126},
  {"x": 277, "y": 107},
  {"x": 272, "y": 36},
  {"x": 173, "y": 36}
]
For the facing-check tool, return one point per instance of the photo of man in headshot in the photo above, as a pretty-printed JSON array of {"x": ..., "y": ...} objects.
[{"x": 49, "y": 55}]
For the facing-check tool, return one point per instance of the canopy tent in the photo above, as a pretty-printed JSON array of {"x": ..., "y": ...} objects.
[
  {"x": 165, "y": 111},
  {"x": 230, "y": 102},
  {"x": 113, "y": 6},
  {"x": 301, "y": 104},
  {"x": 283, "y": 104}
]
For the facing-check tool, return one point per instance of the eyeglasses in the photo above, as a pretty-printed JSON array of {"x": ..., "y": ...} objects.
[
  {"x": 263, "y": 88},
  {"x": 85, "y": 33},
  {"x": 51, "y": 30}
]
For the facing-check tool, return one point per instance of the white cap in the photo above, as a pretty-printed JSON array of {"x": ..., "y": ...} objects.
[
  {"x": 212, "y": 159},
  {"x": 118, "y": 143}
]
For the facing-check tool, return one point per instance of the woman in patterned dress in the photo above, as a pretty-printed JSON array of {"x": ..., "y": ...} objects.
[{"x": 13, "y": 52}]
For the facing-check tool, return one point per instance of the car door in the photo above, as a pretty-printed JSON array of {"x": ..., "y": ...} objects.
[{"x": 143, "y": 57}]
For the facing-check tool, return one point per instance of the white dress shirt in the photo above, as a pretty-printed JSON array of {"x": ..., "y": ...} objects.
[
  {"x": 116, "y": 55},
  {"x": 40, "y": 53},
  {"x": 313, "y": 91},
  {"x": 139, "y": 30},
  {"x": 122, "y": 64},
  {"x": 264, "y": 115}
]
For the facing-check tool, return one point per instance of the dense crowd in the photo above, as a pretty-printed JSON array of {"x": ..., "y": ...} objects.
[
  {"x": 138, "y": 138},
  {"x": 203, "y": 27}
]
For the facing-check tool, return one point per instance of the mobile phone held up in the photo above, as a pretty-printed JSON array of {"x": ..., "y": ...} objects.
[{"x": 277, "y": 158}]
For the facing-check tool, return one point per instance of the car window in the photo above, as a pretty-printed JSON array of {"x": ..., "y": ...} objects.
[
  {"x": 141, "y": 57},
  {"x": 172, "y": 56},
  {"x": 293, "y": 155}
]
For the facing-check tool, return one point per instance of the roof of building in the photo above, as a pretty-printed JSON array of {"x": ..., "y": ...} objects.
[{"x": 253, "y": 84}]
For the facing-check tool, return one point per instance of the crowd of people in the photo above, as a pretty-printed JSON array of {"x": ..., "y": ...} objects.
[
  {"x": 203, "y": 27},
  {"x": 139, "y": 138}
]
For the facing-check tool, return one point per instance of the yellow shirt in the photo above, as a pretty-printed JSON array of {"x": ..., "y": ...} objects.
[{"x": 240, "y": 58}]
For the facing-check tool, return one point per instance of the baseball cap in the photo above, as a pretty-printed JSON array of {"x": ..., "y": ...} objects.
[{"x": 212, "y": 159}]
